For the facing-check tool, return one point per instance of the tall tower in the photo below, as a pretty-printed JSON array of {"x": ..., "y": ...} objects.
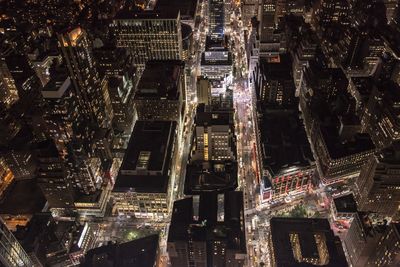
[
  {"x": 12, "y": 253},
  {"x": 77, "y": 53}
]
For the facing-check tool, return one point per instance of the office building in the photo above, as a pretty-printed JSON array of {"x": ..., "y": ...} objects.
[
  {"x": 329, "y": 14},
  {"x": 23, "y": 78},
  {"x": 216, "y": 15},
  {"x": 112, "y": 61},
  {"x": 145, "y": 180},
  {"x": 214, "y": 135},
  {"x": 9, "y": 91},
  {"x": 339, "y": 145},
  {"x": 149, "y": 35},
  {"x": 77, "y": 53},
  {"x": 274, "y": 84},
  {"x": 141, "y": 252},
  {"x": 55, "y": 243},
  {"x": 21, "y": 162},
  {"x": 386, "y": 252},
  {"x": 161, "y": 93},
  {"x": 380, "y": 117},
  {"x": 203, "y": 88},
  {"x": 53, "y": 178},
  {"x": 300, "y": 242},
  {"x": 62, "y": 112},
  {"x": 216, "y": 62},
  {"x": 199, "y": 236},
  {"x": 378, "y": 185},
  {"x": 11, "y": 251},
  {"x": 6, "y": 176}
]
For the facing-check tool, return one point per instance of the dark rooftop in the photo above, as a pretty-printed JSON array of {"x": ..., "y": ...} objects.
[
  {"x": 345, "y": 203},
  {"x": 137, "y": 253},
  {"x": 207, "y": 227},
  {"x": 22, "y": 197},
  {"x": 160, "y": 79},
  {"x": 338, "y": 148},
  {"x": 186, "y": 8},
  {"x": 282, "y": 228},
  {"x": 125, "y": 14},
  {"x": 207, "y": 116},
  {"x": 145, "y": 167},
  {"x": 284, "y": 141},
  {"x": 209, "y": 176}
]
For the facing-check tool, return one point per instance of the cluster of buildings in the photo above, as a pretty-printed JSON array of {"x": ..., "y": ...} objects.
[
  {"x": 92, "y": 117},
  {"x": 325, "y": 74}
]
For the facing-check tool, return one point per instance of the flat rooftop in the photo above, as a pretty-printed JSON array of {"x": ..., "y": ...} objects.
[
  {"x": 338, "y": 148},
  {"x": 230, "y": 230},
  {"x": 210, "y": 176},
  {"x": 141, "y": 252},
  {"x": 145, "y": 167},
  {"x": 284, "y": 142},
  {"x": 160, "y": 80},
  {"x": 345, "y": 204},
  {"x": 22, "y": 197},
  {"x": 125, "y": 14},
  {"x": 305, "y": 229},
  {"x": 207, "y": 116},
  {"x": 187, "y": 8}
]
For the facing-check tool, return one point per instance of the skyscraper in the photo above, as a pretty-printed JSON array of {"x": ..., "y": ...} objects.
[
  {"x": 149, "y": 35},
  {"x": 378, "y": 186},
  {"x": 11, "y": 252},
  {"x": 8, "y": 90},
  {"x": 77, "y": 53}
]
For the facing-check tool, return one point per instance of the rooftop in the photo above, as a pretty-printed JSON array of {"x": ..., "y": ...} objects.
[
  {"x": 145, "y": 167},
  {"x": 345, "y": 204},
  {"x": 209, "y": 176},
  {"x": 207, "y": 227},
  {"x": 284, "y": 141},
  {"x": 339, "y": 148},
  {"x": 186, "y": 8},
  {"x": 160, "y": 80},
  {"x": 283, "y": 231},
  {"x": 125, "y": 14},
  {"x": 206, "y": 116},
  {"x": 141, "y": 252},
  {"x": 22, "y": 197}
]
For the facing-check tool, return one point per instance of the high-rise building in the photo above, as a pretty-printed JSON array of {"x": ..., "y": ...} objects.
[
  {"x": 214, "y": 135},
  {"x": 24, "y": 77},
  {"x": 8, "y": 89},
  {"x": 216, "y": 62},
  {"x": 329, "y": 14},
  {"x": 275, "y": 85},
  {"x": 52, "y": 177},
  {"x": 6, "y": 176},
  {"x": 380, "y": 117},
  {"x": 161, "y": 94},
  {"x": 386, "y": 252},
  {"x": 378, "y": 185},
  {"x": 77, "y": 53},
  {"x": 216, "y": 14},
  {"x": 145, "y": 180},
  {"x": 300, "y": 242},
  {"x": 141, "y": 252},
  {"x": 11, "y": 251},
  {"x": 208, "y": 239},
  {"x": 62, "y": 113},
  {"x": 149, "y": 35}
]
